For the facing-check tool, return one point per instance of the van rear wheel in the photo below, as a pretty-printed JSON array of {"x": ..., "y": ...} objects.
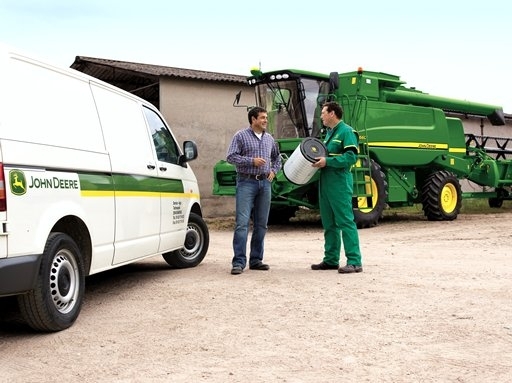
[
  {"x": 55, "y": 302},
  {"x": 197, "y": 240}
]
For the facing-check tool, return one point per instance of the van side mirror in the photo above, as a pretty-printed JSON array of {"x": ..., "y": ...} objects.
[{"x": 190, "y": 152}]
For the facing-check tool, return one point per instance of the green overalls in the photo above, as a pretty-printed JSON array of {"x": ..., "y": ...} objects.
[{"x": 335, "y": 190}]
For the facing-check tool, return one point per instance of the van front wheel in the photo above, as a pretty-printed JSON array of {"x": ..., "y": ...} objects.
[
  {"x": 197, "y": 240},
  {"x": 55, "y": 302}
]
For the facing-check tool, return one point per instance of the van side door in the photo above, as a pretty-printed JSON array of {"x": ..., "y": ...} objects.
[
  {"x": 137, "y": 197},
  {"x": 174, "y": 204}
]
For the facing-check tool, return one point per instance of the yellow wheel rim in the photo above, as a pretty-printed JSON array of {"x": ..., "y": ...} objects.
[
  {"x": 362, "y": 202},
  {"x": 449, "y": 198}
]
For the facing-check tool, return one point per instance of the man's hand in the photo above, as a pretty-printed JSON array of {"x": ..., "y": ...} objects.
[
  {"x": 258, "y": 161},
  {"x": 320, "y": 162}
]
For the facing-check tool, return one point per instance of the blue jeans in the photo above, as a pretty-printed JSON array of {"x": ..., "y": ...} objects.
[{"x": 251, "y": 196}]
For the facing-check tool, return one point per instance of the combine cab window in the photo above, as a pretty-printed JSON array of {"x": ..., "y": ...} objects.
[
  {"x": 312, "y": 89},
  {"x": 292, "y": 107}
]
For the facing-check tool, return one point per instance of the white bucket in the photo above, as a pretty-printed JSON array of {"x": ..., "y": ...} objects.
[{"x": 297, "y": 168}]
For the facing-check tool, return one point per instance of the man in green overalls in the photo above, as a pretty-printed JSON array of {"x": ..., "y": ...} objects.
[{"x": 335, "y": 193}]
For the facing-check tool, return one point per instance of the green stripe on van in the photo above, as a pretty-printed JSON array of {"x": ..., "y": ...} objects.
[{"x": 127, "y": 185}]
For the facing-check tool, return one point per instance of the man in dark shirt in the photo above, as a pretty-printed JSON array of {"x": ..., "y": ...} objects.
[{"x": 256, "y": 157}]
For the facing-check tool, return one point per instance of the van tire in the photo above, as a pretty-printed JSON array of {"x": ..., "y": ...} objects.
[
  {"x": 56, "y": 300},
  {"x": 197, "y": 240}
]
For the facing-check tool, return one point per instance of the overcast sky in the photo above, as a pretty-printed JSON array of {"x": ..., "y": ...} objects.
[{"x": 449, "y": 48}]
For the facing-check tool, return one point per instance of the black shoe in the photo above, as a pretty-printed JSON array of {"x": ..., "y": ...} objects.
[
  {"x": 259, "y": 266},
  {"x": 237, "y": 270},
  {"x": 350, "y": 269},
  {"x": 323, "y": 266}
]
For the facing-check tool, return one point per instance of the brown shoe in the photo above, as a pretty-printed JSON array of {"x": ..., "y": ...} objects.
[
  {"x": 323, "y": 266},
  {"x": 350, "y": 269},
  {"x": 259, "y": 266}
]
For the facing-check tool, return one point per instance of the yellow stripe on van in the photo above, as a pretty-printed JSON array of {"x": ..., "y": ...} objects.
[{"x": 101, "y": 193}]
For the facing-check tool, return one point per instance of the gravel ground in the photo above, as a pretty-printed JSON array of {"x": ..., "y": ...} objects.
[{"x": 434, "y": 304}]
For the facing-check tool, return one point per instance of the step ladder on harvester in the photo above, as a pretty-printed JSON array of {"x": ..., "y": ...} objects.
[{"x": 355, "y": 116}]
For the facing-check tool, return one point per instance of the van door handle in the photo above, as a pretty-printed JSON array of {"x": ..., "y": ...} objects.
[
  {"x": 163, "y": 169},
  {"x": 151, "y": 167}
]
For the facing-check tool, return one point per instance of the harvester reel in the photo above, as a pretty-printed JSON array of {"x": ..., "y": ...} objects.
[{"x": 441, "y": 196}]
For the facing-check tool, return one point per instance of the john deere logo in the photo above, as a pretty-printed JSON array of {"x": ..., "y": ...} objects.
[{"x": 17, "y": 182}]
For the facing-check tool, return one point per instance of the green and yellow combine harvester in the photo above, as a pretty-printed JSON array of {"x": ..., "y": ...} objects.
[{"x": 412, "y": 148}]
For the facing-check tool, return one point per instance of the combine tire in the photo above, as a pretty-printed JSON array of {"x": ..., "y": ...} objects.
[
  {"x": 495, "y": 202},
  {"x": 369, "y": 209},
  {"x": 281, "y": 215},
  {"x": 197, "y": 240},
  {"x": 441, "y": 196},
  {"x": 55, "y": 302}
]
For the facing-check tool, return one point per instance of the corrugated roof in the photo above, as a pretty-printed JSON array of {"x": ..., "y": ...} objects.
[
  {"x": 96, "y": 67},
  {"x": 143, "y": 80}
]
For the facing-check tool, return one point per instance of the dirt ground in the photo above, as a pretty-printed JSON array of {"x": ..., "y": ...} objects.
[{"x": 434, "y": 304}]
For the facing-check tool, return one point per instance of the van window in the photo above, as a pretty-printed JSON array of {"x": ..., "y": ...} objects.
[{"x": 166, "y": 147}]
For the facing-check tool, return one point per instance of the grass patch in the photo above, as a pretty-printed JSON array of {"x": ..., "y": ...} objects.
[
  {"x": 481, "y": 206},
  {"x": 409, "y": 213},
  {"x": 415, "y": 212}
]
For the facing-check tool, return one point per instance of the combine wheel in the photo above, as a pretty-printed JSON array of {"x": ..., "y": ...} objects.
[
  {"x": 281, "y": 215},
  {"x": 197, "y": 240},
  {"x": 370, "y": 209},
  {"x": 495, "y": 202},
  {"x": 441, "y": 196}
]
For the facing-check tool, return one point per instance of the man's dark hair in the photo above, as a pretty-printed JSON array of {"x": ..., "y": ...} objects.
[
  {"x": 334, "y": 106},
  {"x": 255, "y": 112}
]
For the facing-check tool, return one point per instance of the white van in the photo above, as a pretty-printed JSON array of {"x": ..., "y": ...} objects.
[{"x": 91, "y": 178}]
